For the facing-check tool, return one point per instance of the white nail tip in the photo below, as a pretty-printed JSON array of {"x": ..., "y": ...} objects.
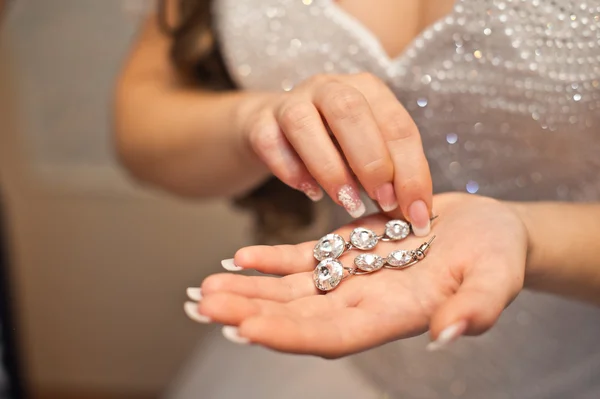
[
  {"x": 195, "y": 294},
  {"x": 231, "y": 333},
  {"x": 191, "y": 310},
  {"x": 315, "y": 196},
  {"x": 434, "y": 346},
  {"x": 350, "y": 200},
  {"x": 313, "y": 192},
  {"x": 389, "y": 208},
  {"x": 229, "y": 265},
  {"x": 447, "y": 335},
  {"x": 358, "y": 212},
  {"x": 422, "y": 231}
]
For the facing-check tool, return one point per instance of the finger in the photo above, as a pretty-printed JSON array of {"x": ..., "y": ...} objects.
[
  {"x": 289, "y": 259},
  {"x": 280, "y": 260},
  {"x": 284, "y": 289},
  {"x": 352, "y": 122},
  {"x": 412, "y": 177},
  {"x": 304, "y": 129},
  {"x": 477, "y": 305},
  {"x": 272, "y": 147},
  {"x": 231, "y": 309},
  {"x": 329, "y": 335}
]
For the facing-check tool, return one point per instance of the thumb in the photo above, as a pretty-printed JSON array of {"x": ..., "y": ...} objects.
[{"x": 484, "y": 293}]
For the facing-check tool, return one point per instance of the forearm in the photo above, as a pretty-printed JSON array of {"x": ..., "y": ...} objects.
[
  {"x": 170, "y": 134},
  {"x": 186, "y": 141},
  {"x": 564, "y": 250}
]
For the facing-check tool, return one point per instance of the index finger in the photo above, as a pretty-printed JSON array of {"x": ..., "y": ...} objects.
[
  {"x": 288, "y": 259},
  {"x": 412, "y": 177}
]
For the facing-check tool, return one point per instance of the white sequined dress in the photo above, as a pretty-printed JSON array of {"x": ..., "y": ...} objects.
[{"x": 506, "y": 95}]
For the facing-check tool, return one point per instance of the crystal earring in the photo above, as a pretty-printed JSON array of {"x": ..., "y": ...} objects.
[
  {"x": 330, "y": 272},
  {"x": 332, "y": 246}
]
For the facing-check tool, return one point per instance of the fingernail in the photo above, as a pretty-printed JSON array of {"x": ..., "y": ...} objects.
[
  {"x": 229, "y": 265},
  {"x": 195, "y": 294},
  {"x": 448, "y": 335},
  {"x": 419, "y": 218},
  {"x": 386, "y": 197},
  {"x": 191, "y": 310},
  {"x": 350, "y": 200},
  {"x": 232, "y": 334},
  {"x": 312, "y": 191}
]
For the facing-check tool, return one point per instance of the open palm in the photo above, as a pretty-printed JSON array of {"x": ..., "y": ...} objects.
[{"x": 472, "y": 271}]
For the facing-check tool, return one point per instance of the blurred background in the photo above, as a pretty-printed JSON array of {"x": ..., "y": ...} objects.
[{"x": 95, "y": 267}]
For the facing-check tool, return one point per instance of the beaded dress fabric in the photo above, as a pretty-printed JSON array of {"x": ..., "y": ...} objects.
[{"x": 506, "y": 95}]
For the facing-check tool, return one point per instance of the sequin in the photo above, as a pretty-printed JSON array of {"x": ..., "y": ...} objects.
[
  {"x": 472, "y": 187},
  {"x": 451, "y": 138},
  {"x": 499, "y": 89},
  {"x": 454, "y": 167}
]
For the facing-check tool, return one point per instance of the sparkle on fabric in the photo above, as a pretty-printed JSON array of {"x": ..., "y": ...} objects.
[
  {"x": 501, "y": 90},
  {"x": 512, "y": 111}
]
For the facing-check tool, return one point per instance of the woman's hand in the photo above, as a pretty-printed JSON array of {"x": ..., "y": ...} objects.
[
  {"x": 472, "y": 271},
  {"x": 333, "y": 128}
]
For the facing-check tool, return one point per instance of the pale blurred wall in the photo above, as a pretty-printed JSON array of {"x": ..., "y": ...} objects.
[{"x": 100, "y": 266}]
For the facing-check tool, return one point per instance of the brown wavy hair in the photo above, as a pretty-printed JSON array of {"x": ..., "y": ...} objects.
[{"x": 281, "y": 214}]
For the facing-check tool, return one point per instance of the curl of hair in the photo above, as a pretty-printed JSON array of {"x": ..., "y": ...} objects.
[{"x": 281, "y": 214}]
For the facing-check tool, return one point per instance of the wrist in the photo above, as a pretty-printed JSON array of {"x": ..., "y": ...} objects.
[
  {"x": 533, "y": 269},
  {"x": 245, "y": 114}
]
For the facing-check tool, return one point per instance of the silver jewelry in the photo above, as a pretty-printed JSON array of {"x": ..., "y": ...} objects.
[
  {"x": 332, "y": 246},
  {"x": 330, "y": 272}
]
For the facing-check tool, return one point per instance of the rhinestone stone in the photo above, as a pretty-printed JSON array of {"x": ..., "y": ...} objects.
[
  {"x": 400, "y": 258},
  {"x": 330, "y": 246},
  {"x": 397, "y": 229},
  {"x": 363, "y": 238},
  {"x": 328, "y": 274},
  {"x": 369, "y": 262}
]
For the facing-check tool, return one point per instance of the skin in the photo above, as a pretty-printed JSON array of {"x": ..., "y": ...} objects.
[
  {"x": 169, "y": 134},
  {"x": 485, "y": 253},
  {"x": 456, "y": 281},
  {"x": 379, "y": 142}
]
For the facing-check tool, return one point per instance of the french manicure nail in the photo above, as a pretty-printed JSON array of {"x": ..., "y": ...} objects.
[
  {"x": 350, "y": 200},
  {"x": 386, "y": 197},
  {"x": 448, "y": 335},
  {"x": 191, "y": 310},
  {"x": 312, "y": 191},
  {"x": 232, "y": 334},
  {"x": 195, "y": 294},
  {"x": 419, "y": 218},
  {"x": 229, "y": 265}
]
